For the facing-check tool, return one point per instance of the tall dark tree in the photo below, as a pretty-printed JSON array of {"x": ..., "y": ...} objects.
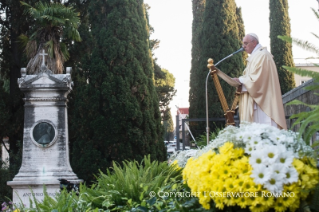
[
  {"x": 281, "y": 50},
  {"x": 13, "y": 23},
  {"x": 219, "y": 36},
  {"x": 195, "y": 72},
  {"x": 241, "y": 30},
  {"x": 115, "y": 113}
]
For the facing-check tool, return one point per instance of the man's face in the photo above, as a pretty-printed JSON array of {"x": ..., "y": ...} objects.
[{"x": 249, "y": 44}]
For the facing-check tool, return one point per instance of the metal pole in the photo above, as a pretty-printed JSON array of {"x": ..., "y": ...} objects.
[
  {"x": 183, "y": 134},
  {"x": 177, "y": 132},
  {"x": 207, "y": 123}
]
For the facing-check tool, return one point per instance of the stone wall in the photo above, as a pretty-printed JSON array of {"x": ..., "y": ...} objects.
[{"x": 299, "y": 93}]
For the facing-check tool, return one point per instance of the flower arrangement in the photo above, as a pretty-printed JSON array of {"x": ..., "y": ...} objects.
[{"x": 255, "y": 166}]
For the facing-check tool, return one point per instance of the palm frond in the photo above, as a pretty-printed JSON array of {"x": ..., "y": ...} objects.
[
  {"x": 315, "y": 35},
  {"x": 303, "y": 44},
  {"x": 302, "y": 72},
  {"x": 53, "y": 20},
  {"x": 23, "y": 39},
  {"x": 64, "y": 51},
  {"x": 316, "y": 13}
]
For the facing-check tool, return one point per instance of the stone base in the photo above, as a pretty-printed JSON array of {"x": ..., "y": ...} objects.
[{"x": 23, "y": 191}]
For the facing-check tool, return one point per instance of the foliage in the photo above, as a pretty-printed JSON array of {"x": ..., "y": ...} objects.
[
  {"x": 11, "y": 60},
  {"x": 164, "y": 83},
  {"x": 7, "y": 173},
  {"x": 5, "y": 191},
  {"x": 53, "y": 22},
  {"x": 201, "y": 141},
  {"x": 217, "y": 36},
  {"x": 308, "y": 120},
  {"x": 131, "y": 183},
  {"x": 63, "y": 201},
  {"x": 282, "y": 51},
  {"x": 168, "y": 127},
  {"x": 130, "y": 187},
  {"x": 115, "y": 114}
]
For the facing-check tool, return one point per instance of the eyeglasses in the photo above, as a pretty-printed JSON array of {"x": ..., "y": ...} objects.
[{"x": 246, "y": 43}]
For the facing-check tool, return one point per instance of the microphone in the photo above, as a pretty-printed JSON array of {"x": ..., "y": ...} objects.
[
  {"x": 232, "y": 54},
  {"x": 239, "y": 50}
]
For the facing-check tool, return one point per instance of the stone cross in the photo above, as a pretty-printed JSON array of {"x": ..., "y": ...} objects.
[{"x": 43, "y": 55}]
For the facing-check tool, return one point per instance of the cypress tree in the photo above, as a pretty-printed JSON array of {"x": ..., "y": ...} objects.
[
  {"x": 241, "y": 30},
  {"x": 195, "y": 73},
  {"x": 115, "y": 113},
  {"x": 219, "y": 37},
  {"x": 281, "y": 50}
]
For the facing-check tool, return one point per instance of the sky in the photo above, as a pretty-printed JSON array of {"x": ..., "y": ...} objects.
[{"x": 172, "y": 23}]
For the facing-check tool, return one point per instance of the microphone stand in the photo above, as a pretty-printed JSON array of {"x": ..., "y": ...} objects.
[{"x": 207, "y": 123}]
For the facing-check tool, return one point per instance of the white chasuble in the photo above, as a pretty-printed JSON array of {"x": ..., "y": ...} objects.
[{"x": 262, "y": 102}]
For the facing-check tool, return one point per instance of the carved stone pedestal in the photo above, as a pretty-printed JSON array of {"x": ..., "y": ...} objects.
[{"x": 45, "y": 156}]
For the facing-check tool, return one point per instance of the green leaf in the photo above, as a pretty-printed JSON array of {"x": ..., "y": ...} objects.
[{"x": 151, "y": 201}]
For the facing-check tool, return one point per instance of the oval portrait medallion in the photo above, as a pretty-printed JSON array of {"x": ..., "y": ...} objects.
[{"x": 43, "y": 133}]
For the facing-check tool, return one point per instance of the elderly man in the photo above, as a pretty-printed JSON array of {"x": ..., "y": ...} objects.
[{"x": 260, "y": 100}]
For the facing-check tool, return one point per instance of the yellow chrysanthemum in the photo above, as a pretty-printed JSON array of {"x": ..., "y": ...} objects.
[
  {"x": 298, "y": 165},
  {"x": 230, "y": 171},
  {"x": 226, "y": 148},
  {"x": 225, "y": 172},
  {"x": 287, "y": 200},
  {"x": 238, "y": 152},
  {"x": 230, "y": 185},
  {"x": 266, "y": 200},
  {"x": 242, "y": 201},
  {"x": 219, "y": 203},
  {"x": 258, "y": 208},
  {"x": 229, "y": 200},
  {"x": 279, "y": 206}
]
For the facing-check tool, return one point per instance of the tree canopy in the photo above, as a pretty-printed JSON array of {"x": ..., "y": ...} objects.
[{"x": 217, "y": 36}]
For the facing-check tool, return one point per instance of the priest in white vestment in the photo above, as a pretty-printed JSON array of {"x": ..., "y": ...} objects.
[{"x": 261, "y": 100}]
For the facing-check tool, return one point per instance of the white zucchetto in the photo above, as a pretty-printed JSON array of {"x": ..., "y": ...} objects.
[{"x": 254, "y": 35}]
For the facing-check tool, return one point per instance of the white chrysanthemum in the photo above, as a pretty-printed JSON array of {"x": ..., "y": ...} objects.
[
  {"x": 255, "y": 141},
  {"x": 257, "y": 159},
  {"x": 270, "y": 153},
  {"x": 291, "y": 175},
  {"x": 275, "y": 183},
  {"x": 241, "y": 135},
  {"x": 260, "y": 174},
  {"x": 249, "y": 149},
  {"x": 285, "y": 158},
  {"x": 279, "y": 169}
]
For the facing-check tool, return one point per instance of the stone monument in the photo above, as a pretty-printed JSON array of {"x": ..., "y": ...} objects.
[{"x": 45, "y": 155}]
